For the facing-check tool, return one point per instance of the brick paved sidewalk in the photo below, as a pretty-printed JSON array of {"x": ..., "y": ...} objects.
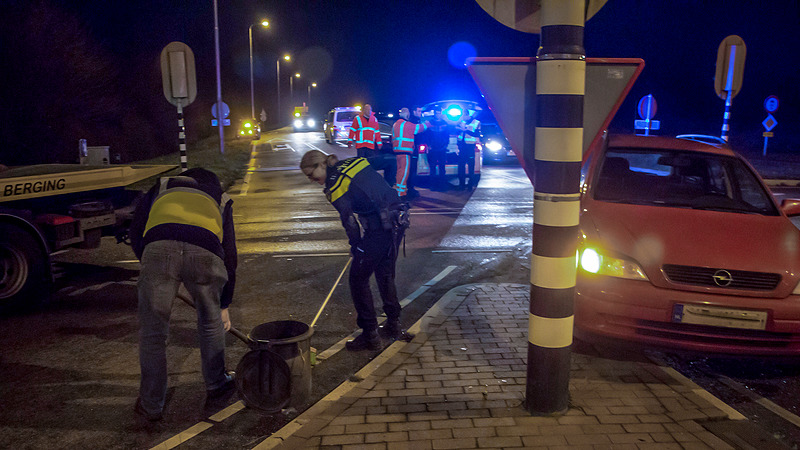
[{"x": 460, "y": 385}]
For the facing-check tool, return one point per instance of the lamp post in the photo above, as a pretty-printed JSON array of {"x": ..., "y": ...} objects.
[
  {"x": 264, "y": 24},
  {"x": 309, "y": 91},
  {"x": 286, "y": 58},
  {"x": 291, "y": 88}
]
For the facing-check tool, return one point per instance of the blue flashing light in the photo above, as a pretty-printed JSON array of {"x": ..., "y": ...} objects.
[{"x": 454, "y": 112}]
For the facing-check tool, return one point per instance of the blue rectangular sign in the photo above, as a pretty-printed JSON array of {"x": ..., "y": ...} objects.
[
  {"x": 225, "y": 122},
  {"x": 642, "y": 125}
]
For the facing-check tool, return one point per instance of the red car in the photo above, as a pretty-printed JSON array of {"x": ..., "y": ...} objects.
[{"x": 683, "y": 246}]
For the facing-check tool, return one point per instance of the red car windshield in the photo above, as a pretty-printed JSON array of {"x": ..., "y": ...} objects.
[{"x": 681, "y": 179}]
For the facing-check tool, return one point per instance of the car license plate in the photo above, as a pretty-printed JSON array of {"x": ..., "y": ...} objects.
[{"x": 719, "y": 317}]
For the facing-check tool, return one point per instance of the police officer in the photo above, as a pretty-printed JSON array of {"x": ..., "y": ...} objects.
[
  {"x": 469, "y": 133},
  {"x": 182, "y": 232},
  {"x": 354, "y": 188},
  {"x": 438, "y": 136},
  {"x": 419, "y": 140}
]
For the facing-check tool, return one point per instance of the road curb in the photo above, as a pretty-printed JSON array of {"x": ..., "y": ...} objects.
[{"x": 320, "y": 414}]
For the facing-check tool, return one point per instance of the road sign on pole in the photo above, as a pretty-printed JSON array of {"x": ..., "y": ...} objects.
[
  {"x": 180, "y": 86},
  {"x": 730, "y": 71},
  {"x": 509, "y": 86},
  {"x": 647, "y": 110}
]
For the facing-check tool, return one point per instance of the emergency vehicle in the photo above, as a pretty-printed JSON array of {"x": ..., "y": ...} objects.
[
  {"x": 50, "y": 207},
  {"x": 301, "y": 120},
  {"x": 338, "y": 122},
  {"x": 453, "y": 112}
]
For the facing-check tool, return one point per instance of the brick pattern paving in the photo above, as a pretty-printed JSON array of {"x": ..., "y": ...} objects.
[{"x": 461, "y": 383}]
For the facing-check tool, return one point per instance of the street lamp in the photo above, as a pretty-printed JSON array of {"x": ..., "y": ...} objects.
[
  {"x": 286, "y": 58},
  {"x": 264, "y": 24},
  {"x": 291, "y": 88},
  {"x": 309, "y": 91}
]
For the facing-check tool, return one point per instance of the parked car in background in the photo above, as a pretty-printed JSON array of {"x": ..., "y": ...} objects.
[
  {"x": 496, "y": 148},
  {"x": 338, "y": 121},
  {"x": 453, "y": 112},
  {"x": 683, "y": 246}
]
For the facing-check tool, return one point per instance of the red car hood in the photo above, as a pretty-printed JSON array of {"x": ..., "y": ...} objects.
[{"x": 654, "y": 236}]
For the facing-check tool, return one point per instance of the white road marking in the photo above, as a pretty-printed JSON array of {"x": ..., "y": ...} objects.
[
  {"x": 475, "y": 250},
  {"x": 251, "y": 165},
  {"x": 309, "y": 255},
  {"x": 203, "y": 425}
]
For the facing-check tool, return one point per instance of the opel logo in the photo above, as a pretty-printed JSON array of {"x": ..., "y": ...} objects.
[{"x": 722, "y": 278}]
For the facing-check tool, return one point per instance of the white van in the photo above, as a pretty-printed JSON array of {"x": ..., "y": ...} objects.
[{"x": 338, "y": 122}]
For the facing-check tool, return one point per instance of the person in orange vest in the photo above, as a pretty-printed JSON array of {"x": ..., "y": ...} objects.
[
  {"x": 366, "y": 134},
  {"x": 403, "y": 133}
]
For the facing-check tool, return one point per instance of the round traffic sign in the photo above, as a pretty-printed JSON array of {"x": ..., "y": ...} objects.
[
  {"x": 771, "y": 104},
  {"x": 226, "y": 111},
  {"x": 647, "y": 107}
]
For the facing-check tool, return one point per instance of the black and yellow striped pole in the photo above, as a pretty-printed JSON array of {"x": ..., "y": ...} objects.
[{"x": 560, "y": 85}]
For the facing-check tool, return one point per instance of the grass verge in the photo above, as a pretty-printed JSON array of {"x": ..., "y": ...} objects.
[{"x": 229, "y": 167}]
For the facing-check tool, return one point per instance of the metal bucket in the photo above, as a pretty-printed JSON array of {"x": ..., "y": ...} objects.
[{"x": 291, "y": 340}]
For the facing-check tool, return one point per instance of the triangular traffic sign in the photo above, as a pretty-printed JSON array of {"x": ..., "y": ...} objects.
[{"x": 509, "y": 86}]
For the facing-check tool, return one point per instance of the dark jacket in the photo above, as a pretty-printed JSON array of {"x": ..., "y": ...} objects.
[
  {"x": 353, "y": 187},
  {"x": 171, "y": 223}
]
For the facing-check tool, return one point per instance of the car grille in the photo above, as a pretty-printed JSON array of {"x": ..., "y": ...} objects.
[{"x": 704, "y": 276}]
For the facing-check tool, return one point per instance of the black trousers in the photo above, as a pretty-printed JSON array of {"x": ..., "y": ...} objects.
[
  {"x": 412, "y": 169},
  {"x": 466, "y": 158},
  {"x": 377, "y": 254},
  {"x": 381, "y": 161},
  {"x": 437, "y": 159}
]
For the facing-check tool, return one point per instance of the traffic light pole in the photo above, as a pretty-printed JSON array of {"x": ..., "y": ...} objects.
[{"x": 560, "y": 86}]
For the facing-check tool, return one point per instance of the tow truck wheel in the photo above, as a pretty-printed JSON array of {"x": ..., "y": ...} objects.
[{"x": 23, "y": 276}]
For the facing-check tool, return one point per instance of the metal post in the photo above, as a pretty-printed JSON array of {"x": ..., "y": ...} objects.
[
  {"x": 182, "y": 138},
  {"x": 252, "y": 97},
  {"x": 278, "y": 66},
  {"x": 727, "y": 115},
  {"x": 291, "y": 90},
  {"x": 219, "y": 83},
  {"x": 560, "y": 85}
]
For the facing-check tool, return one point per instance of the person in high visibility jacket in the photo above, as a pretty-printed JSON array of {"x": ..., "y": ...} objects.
[
  {"x": 354, "y": 188},
  {"x": 365, "y": 133},
  {"x": 403, "y": 133},
  {"x": 182, "y": 232},
  {"x": 469, "y": 133}
]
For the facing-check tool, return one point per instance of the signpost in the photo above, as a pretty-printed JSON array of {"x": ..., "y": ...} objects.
[
  {"x": 647, "y": 110},
  {"x": 180, "y": 85},
  {"x": 729, "y": 75},
  {"x": 225, "y": 112},
  {"x": 771, "y": 105}
]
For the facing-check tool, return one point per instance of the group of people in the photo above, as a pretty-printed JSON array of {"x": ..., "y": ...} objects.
[
  {"x": 183, "y": 234},
  {"x": 409, "y": 133}
]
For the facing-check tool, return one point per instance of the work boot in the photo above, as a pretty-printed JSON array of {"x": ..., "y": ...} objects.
[
  {"x": 223, "y": 391},
  {"x": 151, "y": 417},
  {"x": 367, "y": 340},
  {"x": 392, "y": 330}
]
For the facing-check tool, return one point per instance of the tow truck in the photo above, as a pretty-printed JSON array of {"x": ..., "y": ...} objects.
[{"x": 50, "y": 207}]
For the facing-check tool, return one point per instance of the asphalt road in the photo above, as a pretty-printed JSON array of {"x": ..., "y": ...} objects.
[{"x": 70, "y": 371}]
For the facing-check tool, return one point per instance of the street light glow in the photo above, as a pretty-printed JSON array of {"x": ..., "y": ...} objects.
[
  {"x": 287, "y": 57},
  {"x": 265, "y": 23},
  {"x": 297, "y": 75}
]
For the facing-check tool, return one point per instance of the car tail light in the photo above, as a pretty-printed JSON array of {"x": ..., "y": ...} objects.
[{"x": 423, "y": 148}]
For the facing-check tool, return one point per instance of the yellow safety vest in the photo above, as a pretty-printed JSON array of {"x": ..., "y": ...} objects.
[{"x": 186, "y": 206}]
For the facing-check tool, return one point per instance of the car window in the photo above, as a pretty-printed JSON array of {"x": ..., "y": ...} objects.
[
  {"x": 681, "y": 179},
  {"x": 346, "y": 116}
]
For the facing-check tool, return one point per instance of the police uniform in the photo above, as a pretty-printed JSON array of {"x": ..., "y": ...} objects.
[
  {"x": 182, "y": 232},
  {"x": 467, "y": 140},
  {"x": 354, "y": 188}
]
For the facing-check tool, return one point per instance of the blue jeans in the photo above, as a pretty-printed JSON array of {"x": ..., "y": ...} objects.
[{"x": 165, "y": 265}]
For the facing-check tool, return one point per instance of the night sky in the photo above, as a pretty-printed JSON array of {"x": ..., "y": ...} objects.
[{"x": 394, "y": 54}]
